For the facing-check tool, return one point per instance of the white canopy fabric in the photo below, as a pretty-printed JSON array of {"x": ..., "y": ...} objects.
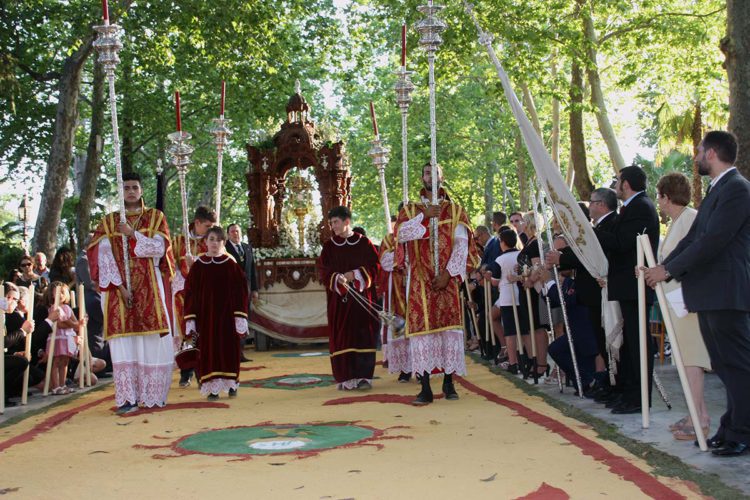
[{"x": 578, "y": 230}]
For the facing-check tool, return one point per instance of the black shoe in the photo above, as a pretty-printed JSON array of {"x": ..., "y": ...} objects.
[
  {"x": 614, "y": 402},
  {"x": 512, "y": 369},
  {"x": 213, "y": 397},
  {"x": 450, "y": 391},
  {"x": 423, "y": 398},
  {"x": 608, "y": 397},
  {"x": 626, "y": 409},
  {"x": 598, "y": 391},
  {"x": 364, "y": 385},
  {"x": 731, "y": 449},
  {"x": 713, "y": 442},
  {"x": 232, "y": 393},
  {"x": 425, "y": 395},
  {"x": 588, "y": 393},
  {"x": 243, "y": 359},
  {"x": 404, "y": 377}
]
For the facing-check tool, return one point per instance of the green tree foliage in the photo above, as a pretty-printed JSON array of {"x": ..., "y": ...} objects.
[{"x": 656, "y": 59}]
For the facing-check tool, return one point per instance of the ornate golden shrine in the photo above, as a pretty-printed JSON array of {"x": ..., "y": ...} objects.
[
  {"x": 296, "y": 145},
  {"x": 293, "y": 303}
]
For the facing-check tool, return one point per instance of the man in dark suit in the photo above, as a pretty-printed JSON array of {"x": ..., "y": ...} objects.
[
  {"x": 243, "y": 254},
  {"x": 713, "y": 264},
  {"x": 490, "y": 244},
  {"x": 637, "y": 216},
  {"x": 602, "y": 210}
]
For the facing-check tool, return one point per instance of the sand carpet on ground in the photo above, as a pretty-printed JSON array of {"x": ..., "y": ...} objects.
[{"x": 291, "y": 434}]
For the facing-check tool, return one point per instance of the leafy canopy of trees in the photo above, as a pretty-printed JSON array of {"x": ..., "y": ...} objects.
[{"x": 657, "y": 64}]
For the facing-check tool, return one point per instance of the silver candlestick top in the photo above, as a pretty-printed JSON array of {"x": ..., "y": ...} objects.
[
  {"x": 108, "y": 45},
  {"x": 403, "y": 87},
  {"x": 379, "y": 154},
  {"x": 180, "y": 150},
  {"x": 221, "y": 132},
  {"x": 430, "y": 27}
]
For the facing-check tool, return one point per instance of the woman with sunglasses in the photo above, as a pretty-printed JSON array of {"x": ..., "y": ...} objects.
[{"x": 28, "y": 277}]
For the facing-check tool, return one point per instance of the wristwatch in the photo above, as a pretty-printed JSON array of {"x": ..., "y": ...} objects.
[{"x": 667, "y": 275}]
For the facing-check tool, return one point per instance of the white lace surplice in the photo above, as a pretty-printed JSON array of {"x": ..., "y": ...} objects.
[
  {"x": 142, "y": 364},
  {"x": 442, "y": 350}
]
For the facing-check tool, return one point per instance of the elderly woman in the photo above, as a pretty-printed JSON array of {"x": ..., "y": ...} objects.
[{"x": 673, "y": 196}]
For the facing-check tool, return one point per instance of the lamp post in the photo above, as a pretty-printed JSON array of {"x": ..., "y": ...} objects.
[{"x": 23, "y": 217}]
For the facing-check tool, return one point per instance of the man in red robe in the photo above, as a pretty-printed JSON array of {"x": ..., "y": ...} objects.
[
  {"x": 348, "y": 267},
  {"x": 136, "y": 321},
  {"x": 216, "y": 309},
  {"x": 392, "y": 288},
  {"x": 203, "y": 220},
  {"x": 434, "y": 322}
]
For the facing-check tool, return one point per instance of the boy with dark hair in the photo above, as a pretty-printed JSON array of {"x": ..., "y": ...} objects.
[
  {"x": 216, "y": 299},
  {"x": 349, "y": 268},
  {"x": 203, "y": 219}
]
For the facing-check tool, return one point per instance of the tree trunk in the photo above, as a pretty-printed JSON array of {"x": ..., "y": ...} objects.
[
  {"x": 61, "y": 150},
  {"x": 581, "y": 180},
  {"x": 489, "y": 195},
  {"x": 528, "y": 103},
  {"x": 523, "y": 190},
  {"x": 93, "y": 156},
  {"x": 555, "y": 135},
  {"x": 597, "y": 96},
  {"x": 697, "y": 136},
  {"x": 736, "y": 48}
]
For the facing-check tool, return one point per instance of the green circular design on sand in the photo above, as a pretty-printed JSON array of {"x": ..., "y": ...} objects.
[
  {"x": 312, "y": 354},
  {"x": 293, "y": 382},
  {"x": 274, "y": 439}
]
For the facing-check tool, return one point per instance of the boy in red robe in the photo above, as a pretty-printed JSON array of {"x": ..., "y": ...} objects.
[
  {"x": 349, "y": 265},
  {"x": 203, "y": 220},
  {"x": 216, "y": 309}
]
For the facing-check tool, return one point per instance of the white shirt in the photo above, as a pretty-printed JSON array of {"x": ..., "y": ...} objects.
[
  {"x": 238, "y": 248},
  {"x": 508, "y": 291},
  {"x": 625, "y": 203},
  {"x": 600, "y": 219},
  {"x": 716, "y": 179}
]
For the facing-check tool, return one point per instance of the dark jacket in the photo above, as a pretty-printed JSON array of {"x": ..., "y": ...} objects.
[
  {"x": 491, "y": 251},
  {"x": 713, "y": 260},
  {"x": 588, "y": 291},
  {"x": 638, "y": 217},
  {"x": 246, "y": 262}
]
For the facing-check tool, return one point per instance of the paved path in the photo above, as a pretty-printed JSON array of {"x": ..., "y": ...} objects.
[{"x": 291, "y": 434}]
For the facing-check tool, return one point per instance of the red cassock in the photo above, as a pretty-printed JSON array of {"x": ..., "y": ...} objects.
[
  {"x": 197, "y": 248},
  {"x": 215, "y": 295},
  {"x": 352, "y": 328}
]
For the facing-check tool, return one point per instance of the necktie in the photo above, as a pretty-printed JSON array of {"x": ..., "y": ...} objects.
[
  {"x": 708, "y": 190},
  {"x": 240, "y": 252}
]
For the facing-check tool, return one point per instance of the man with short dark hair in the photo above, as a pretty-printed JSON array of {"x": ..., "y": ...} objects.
[
  {"x": 243, "y": 254},
  {"x": 499, "y": 220},
  {"x": 136, "y": 320},
  {"x": 516, "y": 220},
  {"x": 715, "y": 256},
  {"x": 349, "y": 269},
  {"x": 637, "y": 216}
]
